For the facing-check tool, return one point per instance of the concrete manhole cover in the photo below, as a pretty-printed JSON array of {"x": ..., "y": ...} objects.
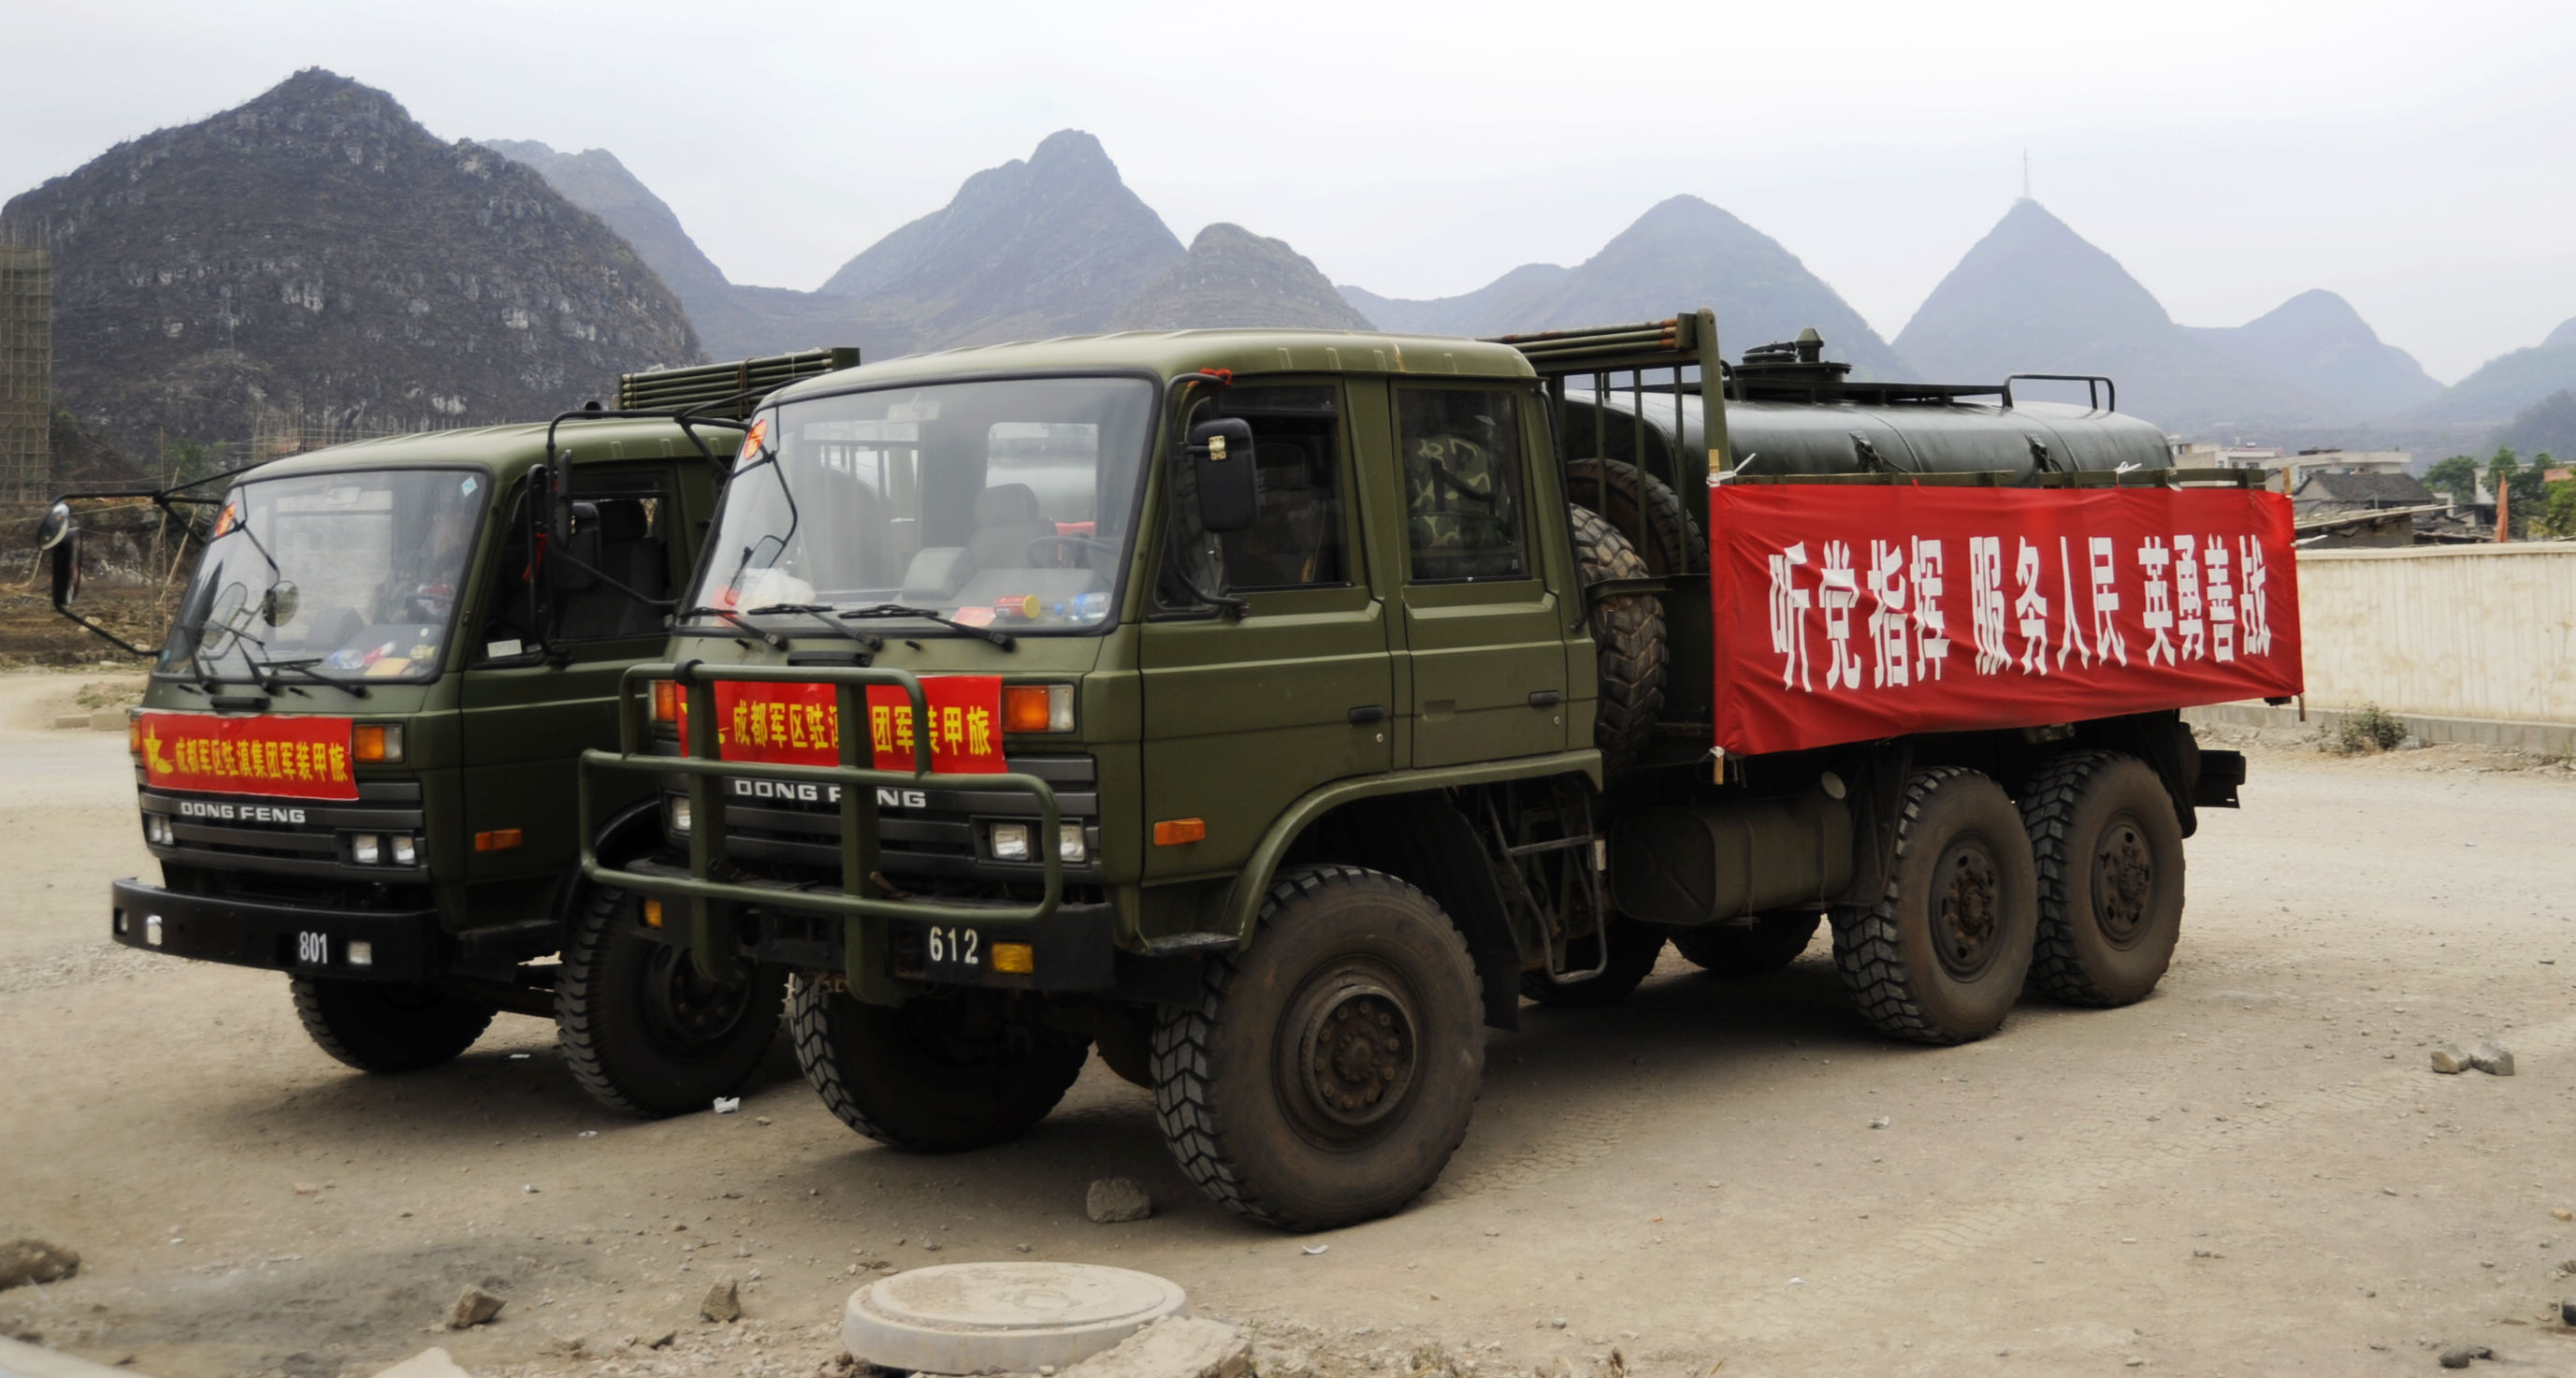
[{"x": 982, "y": 1317}]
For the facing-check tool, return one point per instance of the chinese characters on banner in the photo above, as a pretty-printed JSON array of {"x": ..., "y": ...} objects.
[
  {"x": 800, "y": 724},
  {"x": 294, "y": 757},
  {"x": 1846, "y": 613}
]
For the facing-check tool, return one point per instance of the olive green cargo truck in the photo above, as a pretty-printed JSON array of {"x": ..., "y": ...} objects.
[{"x": 1275, "y": 710}]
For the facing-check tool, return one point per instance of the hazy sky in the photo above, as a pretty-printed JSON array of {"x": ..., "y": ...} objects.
[{"x": 2419, "y": 159}]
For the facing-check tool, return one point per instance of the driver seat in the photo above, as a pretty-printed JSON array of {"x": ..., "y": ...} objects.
[{"x": 1007, "y": 523}]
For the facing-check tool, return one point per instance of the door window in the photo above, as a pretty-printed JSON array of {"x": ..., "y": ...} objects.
[
  {"x": 1301, "y": 535},
  {"x": 620, "y": 557},
  {"x": 1462, "y": 477}
]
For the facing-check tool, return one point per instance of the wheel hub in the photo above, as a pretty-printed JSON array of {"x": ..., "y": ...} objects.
[
  {"x": 1356, "y": 1055},
  {"x": 683, "y": 1008},
  {"x": 1967, "y": 894},
  {"x": 2124, "y": 880}
]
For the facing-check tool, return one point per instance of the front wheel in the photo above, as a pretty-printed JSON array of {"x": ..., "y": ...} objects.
[
  {"x": 642, "y": 1030},
  {"x": 1324, "y": 1074},
  {"x": 387, "y": 1026},
  {"x": 945, "y": 1070},
  {"x": 1941, "y": 957}
]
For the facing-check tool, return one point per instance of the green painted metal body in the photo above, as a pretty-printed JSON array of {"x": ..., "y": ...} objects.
[
  {"x": 492, "y": 741},
  {"x": 1256, "y": 725}
]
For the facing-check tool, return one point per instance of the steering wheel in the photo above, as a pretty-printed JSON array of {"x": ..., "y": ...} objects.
[{"x": 1052, "y": 543}]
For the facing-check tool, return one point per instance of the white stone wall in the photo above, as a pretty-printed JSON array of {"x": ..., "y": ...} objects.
[{"x": 2455, "y": 631}]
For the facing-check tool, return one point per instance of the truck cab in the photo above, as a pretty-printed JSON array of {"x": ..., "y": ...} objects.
[{"x": 355, "y": 759}]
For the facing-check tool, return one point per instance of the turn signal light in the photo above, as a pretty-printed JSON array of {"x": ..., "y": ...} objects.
[
  {"x": 652, "y": 913},
  {"x": 1016, "y": 958},
  {"x": 377, "y": 743},
  {"x": 666, "y": 702},
  {"x": 134, "y": 735},
  {"x": 1037, "y": 708},
  {"x": 1172, "y": 832},
  {"x": 498, "y": 840}
]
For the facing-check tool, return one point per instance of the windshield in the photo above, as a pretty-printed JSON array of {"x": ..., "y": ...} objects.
[
  {"x": 999, "y": 504},
  {"x": 350, "y": 575}
]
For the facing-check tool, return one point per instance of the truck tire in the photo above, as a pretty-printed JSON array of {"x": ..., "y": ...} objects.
[
  {"x": 1629, "y": 630},
  {"x": 1615, "y": 489},
  {"x": 944, "y": 1071},
  {"x": 1940, "y": 958},
  {"x": 1326, "y": 1072},
  {"x": 2109, "y": 853},
  {"x": 387, "y": 1026},
  {"x": 1634, "y": 947},
  {"x": 1772, "y": 942},
  {"x": 643, "y": 1032}
]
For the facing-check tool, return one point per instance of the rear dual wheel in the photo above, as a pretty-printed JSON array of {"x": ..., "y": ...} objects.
[
  {"x": 1941, "y": 957},
  {"x": 1770, "y": 942},
  {"x": 2110, "y": 865}
]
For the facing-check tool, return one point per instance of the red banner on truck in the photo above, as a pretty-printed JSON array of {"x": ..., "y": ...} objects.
[
  {"x": 293, "y": 757},
  {"x": 1846, "y": 613},
  {"x": 800, "y": 724}
]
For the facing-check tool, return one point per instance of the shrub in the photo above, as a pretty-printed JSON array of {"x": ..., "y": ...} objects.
[{"x": 2369, "y": 728}]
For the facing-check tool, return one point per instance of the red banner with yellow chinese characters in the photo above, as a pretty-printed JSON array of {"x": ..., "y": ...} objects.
[
  {"x": 1846, "y": 613},
  {"x": 291, "y": 756},
  {"x": 800, "y": 724}
]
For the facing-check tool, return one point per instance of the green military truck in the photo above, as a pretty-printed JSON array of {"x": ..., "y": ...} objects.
[
  {"x": 355, "y": 755},
  {"x": 1273, "y": 710}
]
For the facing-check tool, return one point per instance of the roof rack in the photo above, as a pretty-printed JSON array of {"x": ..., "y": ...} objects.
[{"x": 743, "y": 383}]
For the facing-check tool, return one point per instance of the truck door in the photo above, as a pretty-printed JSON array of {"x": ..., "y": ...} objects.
[
  {"x": 1483, "y": 630},
  {"x": 525, "y": 719},
  {"x": 1241, "y": 716}
]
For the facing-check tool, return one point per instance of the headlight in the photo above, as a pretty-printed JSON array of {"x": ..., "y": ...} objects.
[
  {"x": 156, "y": 829},
  {"x": 406, "y": 850},
  {"x": 1069, "y": 844},
  {"x": 679, "y": 816},
  {"x": 366, "y": 848},
  {"x": 1010, "y": 842}
]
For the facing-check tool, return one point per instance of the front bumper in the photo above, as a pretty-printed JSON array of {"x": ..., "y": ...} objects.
[{"x": 351, "y": 944}]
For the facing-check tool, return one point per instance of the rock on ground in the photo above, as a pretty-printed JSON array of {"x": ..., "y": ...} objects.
[
  {"x": 1173, "y": 1347},
  {"x": 1113, "y": 1200},
  {"x": 2492, "y": 1058},
  {"x": 723, "y": 1303},
  {"x": 23, "y": 1261},
  {"x": 473, "y": 1307},
  {"x": 429, "y": 1363},
  {"x": 2450, "y": 1058},
  {"x": 2458, "y": 1356}
]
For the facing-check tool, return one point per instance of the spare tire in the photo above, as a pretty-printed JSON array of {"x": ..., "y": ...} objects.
[
  {"x": 1616, "y": 489},
  {"x": 1629, "y": 630}
]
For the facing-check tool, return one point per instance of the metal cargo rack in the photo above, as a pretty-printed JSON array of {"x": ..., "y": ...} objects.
[{"x": 742, "y": 384}]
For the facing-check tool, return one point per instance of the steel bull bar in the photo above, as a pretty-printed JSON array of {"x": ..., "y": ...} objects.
[{"x": 861, "y": 903}]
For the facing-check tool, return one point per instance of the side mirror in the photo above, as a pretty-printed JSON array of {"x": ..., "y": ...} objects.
[
  {"x": 59, "y": 537},
  {"x": 1229, "y": 485}
]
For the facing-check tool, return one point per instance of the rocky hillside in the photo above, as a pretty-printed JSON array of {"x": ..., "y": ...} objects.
[
  {"x": 2506, "y": 385},
  {"x": 596, "y": 181},
  {"x": 2316, "y": 340},
  {"x": 317, "y": 257},
  {"x": 2034, "y": 297},
  {"x": 1683, "y": 253},
  {"x": 1232, "y": 276}
]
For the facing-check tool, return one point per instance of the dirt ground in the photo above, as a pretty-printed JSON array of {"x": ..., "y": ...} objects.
[{"x": 2252, "y": 1172}]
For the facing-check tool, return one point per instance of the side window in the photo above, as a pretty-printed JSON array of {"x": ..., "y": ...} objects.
[
  {"x": 1300, "y": 537},
  {"x": 1461, "y": 449},
  {"x": 619, "y": 550}
]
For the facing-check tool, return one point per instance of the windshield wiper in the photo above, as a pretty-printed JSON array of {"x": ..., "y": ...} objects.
[
  {"x": 823, "y": 615},
  {"x": 1002, "y": 639},
  {"x": 767, "y": 637},
  {"x": 305, "y": 668}
]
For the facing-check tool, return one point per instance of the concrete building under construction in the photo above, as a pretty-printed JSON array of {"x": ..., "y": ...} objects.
[{"x": 26, "y": 372}]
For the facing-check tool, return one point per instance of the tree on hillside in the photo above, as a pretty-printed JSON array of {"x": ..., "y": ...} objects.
[
  {"x": 2524, "y": 484},
  {"x": 2457, "y": 476}
]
